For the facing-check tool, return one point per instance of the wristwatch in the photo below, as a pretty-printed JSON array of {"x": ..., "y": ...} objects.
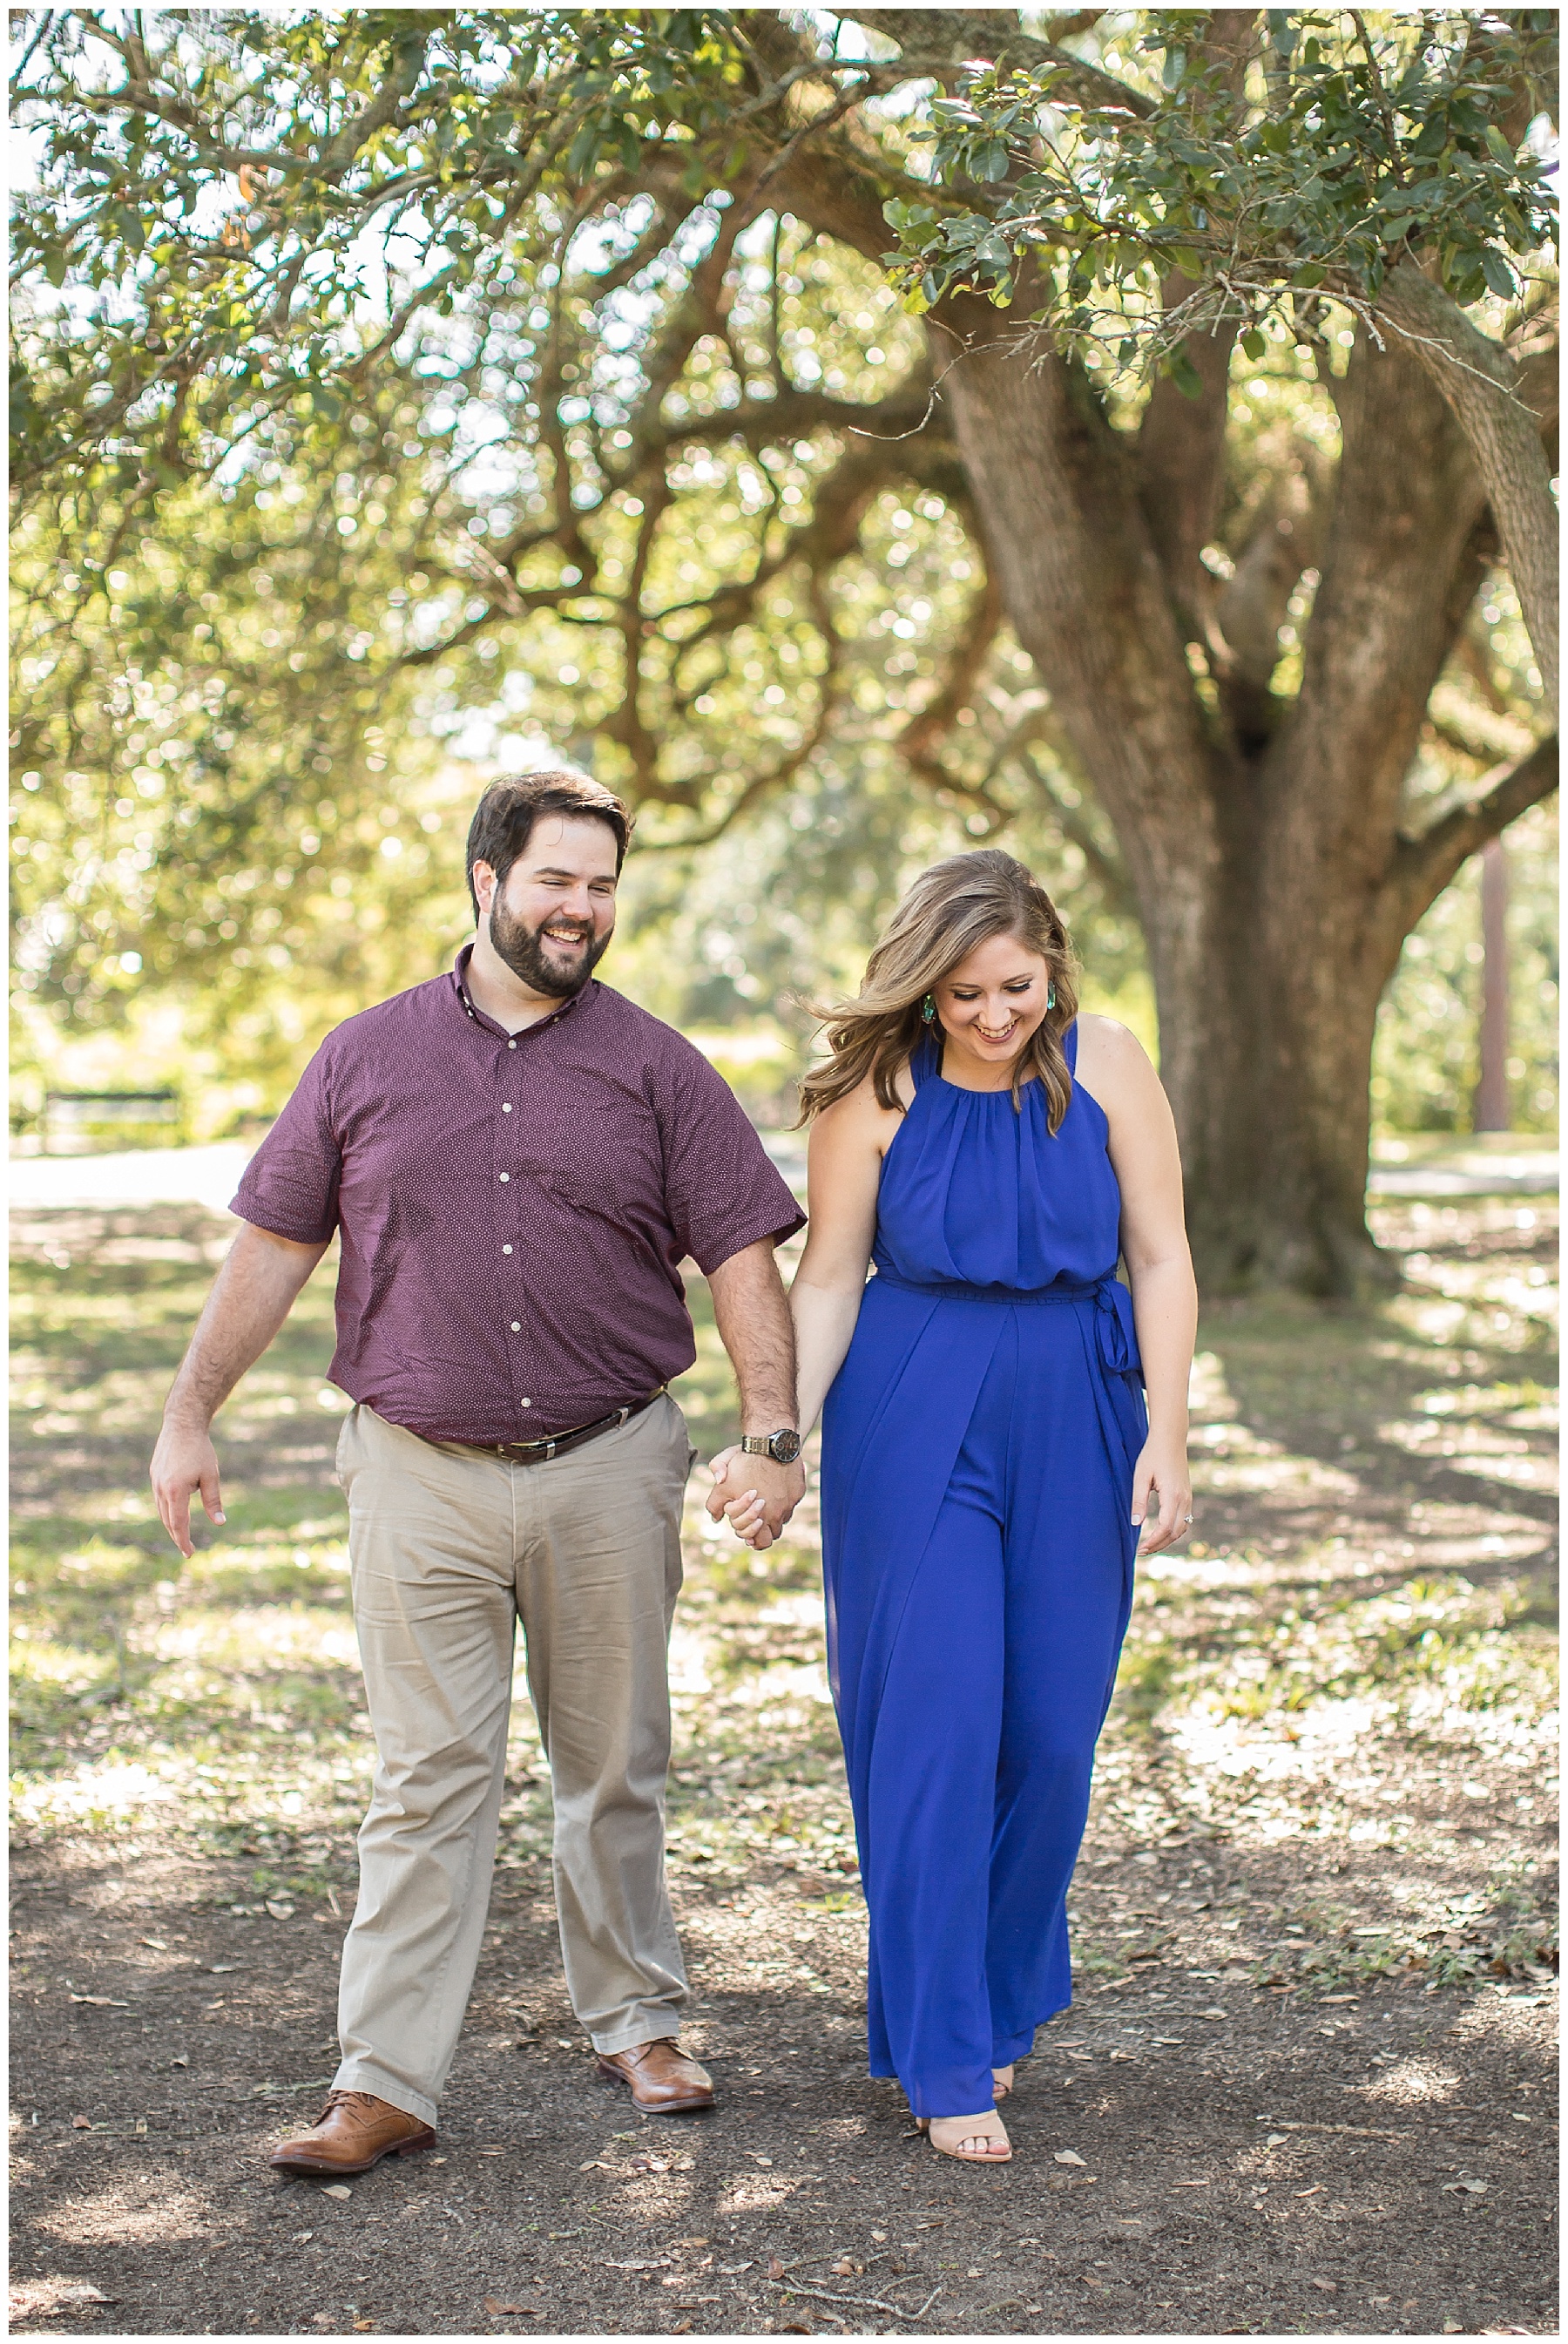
[{"x": 782, "y": 1447}]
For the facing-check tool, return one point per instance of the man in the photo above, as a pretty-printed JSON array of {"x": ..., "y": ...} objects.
[{"x": 516, "y": 1160}]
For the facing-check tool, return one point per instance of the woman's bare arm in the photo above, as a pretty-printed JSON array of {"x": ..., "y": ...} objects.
[
  {"x": 1114, "y": 1069},
  {"x": 843, "y": 1173},
  {"x": 843, "y": 1169}
]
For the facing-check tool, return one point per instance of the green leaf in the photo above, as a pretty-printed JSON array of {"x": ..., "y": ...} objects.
[
  {"x": 1498, "y": 276},
  {"x": 1253, "y": 343},
  {"x": 1186, "y": 376}
]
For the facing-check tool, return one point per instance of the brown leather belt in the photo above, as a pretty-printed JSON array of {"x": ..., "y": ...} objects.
[{"x": 538, "y": 1452}]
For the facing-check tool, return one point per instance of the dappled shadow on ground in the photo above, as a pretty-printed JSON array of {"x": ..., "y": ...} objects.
[{"x": 1306, "y": 2072}]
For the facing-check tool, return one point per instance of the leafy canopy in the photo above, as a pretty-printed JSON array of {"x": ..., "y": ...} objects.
[{"x": 1312, "y": 168}]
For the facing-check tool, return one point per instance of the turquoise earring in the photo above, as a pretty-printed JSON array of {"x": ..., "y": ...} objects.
[
  {"x": 1050, "y": 996},
  {"x": 928, "y": 1009}
]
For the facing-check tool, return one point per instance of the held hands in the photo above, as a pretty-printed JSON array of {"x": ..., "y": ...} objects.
[
  {"x": 1163, "y": 1495},
  {"x": 756, "y": 1495},
  {"x": 185, "y": 1461}
]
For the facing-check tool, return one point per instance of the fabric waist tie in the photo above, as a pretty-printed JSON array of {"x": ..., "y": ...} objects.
[
  {"x": 955, "y": 1290},
  {"x": 1116, "y": 1333}
]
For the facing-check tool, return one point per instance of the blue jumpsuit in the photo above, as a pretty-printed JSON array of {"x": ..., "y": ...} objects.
[{"x": 978, "y": 1451}]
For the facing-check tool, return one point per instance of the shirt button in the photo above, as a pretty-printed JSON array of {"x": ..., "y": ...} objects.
[
  {"x": 506, "y": 1176},
  {"x": 512, "y": 1045},
  {"x": 505, "y": 1106},
  {"x": 527, "y": 1403},
  {"x": 517, "y": 1327},
  {"x": 506, "y": 1249}
]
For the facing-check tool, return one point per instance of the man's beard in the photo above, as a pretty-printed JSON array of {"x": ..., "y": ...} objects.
[{"x": 523, "y": 950}]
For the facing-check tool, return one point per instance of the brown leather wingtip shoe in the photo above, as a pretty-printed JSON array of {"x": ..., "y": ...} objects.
[
  {"x": 663, "y": 2079},
  {"x": 354, "y": 2131}
]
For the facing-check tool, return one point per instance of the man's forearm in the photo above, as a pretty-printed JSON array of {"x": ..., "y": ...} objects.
[
  {"x": 251, "y": 1297},
  {"x": 753, "y": 1314}
]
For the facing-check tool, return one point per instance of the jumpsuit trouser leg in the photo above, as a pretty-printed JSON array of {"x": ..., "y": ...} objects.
[{"x": 985, "y": 1728}]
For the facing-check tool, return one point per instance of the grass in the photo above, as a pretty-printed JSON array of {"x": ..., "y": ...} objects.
[{"x": 1356, "y": 1651}]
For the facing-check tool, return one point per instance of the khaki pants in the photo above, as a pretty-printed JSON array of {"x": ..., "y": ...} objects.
[{"x": 450, "y": 1549}]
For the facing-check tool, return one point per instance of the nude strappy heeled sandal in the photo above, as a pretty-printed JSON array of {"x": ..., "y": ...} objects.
[{"x": 997, "y": 2152}]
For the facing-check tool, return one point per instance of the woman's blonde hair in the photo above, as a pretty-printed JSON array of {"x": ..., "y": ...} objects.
[{"x": 951, "y": 909}]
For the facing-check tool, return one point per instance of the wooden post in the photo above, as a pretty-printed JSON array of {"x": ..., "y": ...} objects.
[{"x": 1491, "y": 1108}]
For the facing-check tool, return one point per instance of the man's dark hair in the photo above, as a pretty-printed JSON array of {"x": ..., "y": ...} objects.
[{"x": 505, "y": 816}]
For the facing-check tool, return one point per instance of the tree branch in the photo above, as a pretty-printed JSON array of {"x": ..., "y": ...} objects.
[
  {"x": 1182, "y": 440},
  {"x": 1422, "y": 867},
  {"x": 921, "y": 740},
  {"x": 1396, "y": 544},
  {"x": 1479, "y": 380},
  {"x": 935, "y": 38}
]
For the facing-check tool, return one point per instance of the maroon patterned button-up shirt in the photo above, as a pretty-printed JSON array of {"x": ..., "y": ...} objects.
[{"x": 513, "y": 1209}]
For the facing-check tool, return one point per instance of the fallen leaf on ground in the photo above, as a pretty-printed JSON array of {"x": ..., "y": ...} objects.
[
  {"x": 497, "y": 2310},
  {"x": 775, "y": 2267},
  {"x": 1213, "y": 2014},
  {"x": 1327, "y": 2000},
  {"x": 1476, "y": 2188},
  {"x": 1201, "y": 2182},
  {"x": 156, "y": 1943},
  {"x": 1069, "y": 2156},
  {"x": 337, "y": 2189},
  {"x": 81, "y": 2124},
  {"x": 1275, "y": 2140},
  {"x": 279, "y": 1909},
  {"x": 101, "y": 2001},
  {"x": 1328, "y": 2286},
  {"x": 1315, "y": 2191}
]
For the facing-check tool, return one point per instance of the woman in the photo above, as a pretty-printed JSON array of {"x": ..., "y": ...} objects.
[{"x": 987, "y": 1462}]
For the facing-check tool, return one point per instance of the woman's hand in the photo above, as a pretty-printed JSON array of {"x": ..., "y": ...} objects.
[
  {"x": 1161, "y": 1494},
  {"x": 729, "y": 1500}
]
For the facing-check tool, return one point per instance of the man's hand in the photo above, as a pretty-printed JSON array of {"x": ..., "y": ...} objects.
[
  {"x": 755, "y": 1330},
  {"x": 249, "y": 1301},
  {"x": 757, "y": 1495},
  {"x": 183, "y": 1461}
]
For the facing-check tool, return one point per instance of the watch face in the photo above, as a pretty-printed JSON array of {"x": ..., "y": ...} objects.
[{"x": 784, "y": 1448}]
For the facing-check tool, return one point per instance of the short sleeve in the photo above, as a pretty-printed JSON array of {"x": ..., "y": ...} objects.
[
  {"x": 721, "y": 1192},
  {"x": 290, "y": 1185}
]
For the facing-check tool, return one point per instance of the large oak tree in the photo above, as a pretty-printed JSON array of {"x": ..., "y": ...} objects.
[{"x": 282, "y": 247}]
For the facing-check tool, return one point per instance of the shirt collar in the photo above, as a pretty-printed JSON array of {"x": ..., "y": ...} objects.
[{"x": 459, "y": 982}]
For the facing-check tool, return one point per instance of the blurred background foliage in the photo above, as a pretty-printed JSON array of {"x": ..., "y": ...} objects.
[{"x": 256, "y": 696}]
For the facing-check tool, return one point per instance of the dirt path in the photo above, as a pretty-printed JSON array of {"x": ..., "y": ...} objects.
[{"x": 1306, "y": 2084}]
